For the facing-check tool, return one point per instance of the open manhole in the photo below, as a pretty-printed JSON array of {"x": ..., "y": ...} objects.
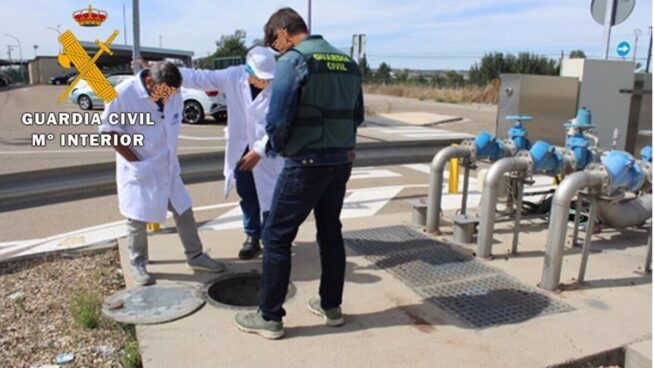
[{"x": 237, "y": 291}]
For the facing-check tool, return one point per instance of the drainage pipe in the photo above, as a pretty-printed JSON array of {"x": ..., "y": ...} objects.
[
  {"x": 489, "y": 200},
  {"x": 626, "y": 213},
  {"x": 559, "y": 222},
  {"x": 436, "y": 182}
]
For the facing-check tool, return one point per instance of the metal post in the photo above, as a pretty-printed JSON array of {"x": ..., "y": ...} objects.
[
  {"x": 575, "y": 230},
  {"x": 136, "y": 25},
  {"x": 464, "y": 197},
  {"x": 309, "y": 16},
  {"x": 20, "y": 54},
  {"x": 637, "y": 33},
  {"x": 648, "y": 257},
  {"x": 608, "y": 23},
  {"x": 124, "y": 25},
  {"x": 453, "y": 182},
  {"x": 589, "y": 234},
  {"x": 649, "y": 53},
  {"x": 518, "y": 214}
]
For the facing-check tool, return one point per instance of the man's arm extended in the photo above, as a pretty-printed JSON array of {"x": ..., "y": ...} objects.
[
  {"x": 289, "y": 74},
  {"x": 207, "y": 80}
]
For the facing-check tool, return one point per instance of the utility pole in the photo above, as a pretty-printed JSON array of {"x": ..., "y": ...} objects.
[
  {"x": 637, "y": 33},
  {"x": 35, "y": 47},
  {"x": 309, "y": 17},
  {"x": 608, "y": 23},
  {"x": 136, "y": 26},
  {"x": 20, "y": 54},
  {"x": 649, "y": 53},
  {"x": 124, "y": 25}
]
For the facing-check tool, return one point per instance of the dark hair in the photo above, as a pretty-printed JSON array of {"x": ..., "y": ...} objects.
[
  {"x": 285, "y": 18},
  {"x": 166, "y": 72}
]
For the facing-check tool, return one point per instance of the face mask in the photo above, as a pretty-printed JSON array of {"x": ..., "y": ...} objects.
[
  {"x": 254, "y": 80},
  {"x": 162, "y": 92}
]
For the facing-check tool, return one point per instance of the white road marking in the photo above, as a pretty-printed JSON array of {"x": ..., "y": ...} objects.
[
  {"x": 364, "y": 203},
  {"x": 423, "y": 168},
  {"x": 372, "y": 173},
  {"x": 78, "y": 151},
  {"x": 192, "y": 138},
  {"x": 232, "y": 219}
]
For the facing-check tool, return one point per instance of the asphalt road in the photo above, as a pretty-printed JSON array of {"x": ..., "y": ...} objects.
[
  {"x": 17, "y": 154},
  {"x": 383, "y": 189}
]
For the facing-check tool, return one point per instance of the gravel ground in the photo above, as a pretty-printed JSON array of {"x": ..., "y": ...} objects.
[{"x": 35, "y": 322}]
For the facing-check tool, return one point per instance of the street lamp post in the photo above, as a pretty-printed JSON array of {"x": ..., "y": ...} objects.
[
  {"x": 309, "y": 16},
  {"x": 20, "y": 54}
]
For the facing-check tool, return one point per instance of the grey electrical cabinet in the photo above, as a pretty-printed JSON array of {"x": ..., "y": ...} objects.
[
  {"x": 551, "y": 100},
  {"x": 605, "y": 88}
]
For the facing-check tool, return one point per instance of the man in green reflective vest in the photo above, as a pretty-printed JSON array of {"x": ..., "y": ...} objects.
[{"x": 315, "y": 109}]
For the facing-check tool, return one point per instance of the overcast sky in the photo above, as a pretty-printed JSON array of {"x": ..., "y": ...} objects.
[{"x": 420, "y": 34}]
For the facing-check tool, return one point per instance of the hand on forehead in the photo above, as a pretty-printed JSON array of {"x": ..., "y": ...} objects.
[{"x": 162, "y": 91}]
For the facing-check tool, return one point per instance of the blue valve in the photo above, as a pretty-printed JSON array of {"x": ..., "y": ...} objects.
[
  {"x": 646, "y": 154},
  {"x": 488, "y": 146},
  {"x": 578, "y": 145},
  {"x": 582, "y": 121},
  {"x": 518, "y": 134},
  {"x": 625, "y": 173},
  {"x": 547, "y": 160}
]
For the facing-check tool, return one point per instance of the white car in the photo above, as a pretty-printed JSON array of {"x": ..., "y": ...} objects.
[{"x": 197, "y": 104}]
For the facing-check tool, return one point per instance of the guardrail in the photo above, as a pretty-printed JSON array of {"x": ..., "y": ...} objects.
[{"x": 36, "y": 188}]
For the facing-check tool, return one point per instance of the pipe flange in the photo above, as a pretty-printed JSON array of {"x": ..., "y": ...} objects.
[
  {"x": 570, "y": 161},
  {"x": 470, "y": 144},
  {"x": 510, "y": 148},
  {"x": 524, "y": 154},
  {"x": 606, "y": 178}
]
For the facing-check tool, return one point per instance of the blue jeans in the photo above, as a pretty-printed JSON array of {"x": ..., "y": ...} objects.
[
  {"x": 299, "y": 190},
  {"x": 247, "y": 190}
]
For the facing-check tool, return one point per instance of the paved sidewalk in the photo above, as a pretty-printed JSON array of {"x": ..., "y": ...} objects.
[{"x": 388, "y": 325}]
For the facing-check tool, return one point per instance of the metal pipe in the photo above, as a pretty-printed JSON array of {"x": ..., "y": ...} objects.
[
  {"x": 590, "y": 224},
  {"x": 466, "y": 185},
  {"x": 489, "y": 200},
  {"x": 627, "y": 213},
  {"x": 559, "y": 223},
  {"x": 516, "y": 227},
  {"x": 575, "y": 229},
  {"x": 648, "y": 257},
  {"x": 436, "y": 182}
]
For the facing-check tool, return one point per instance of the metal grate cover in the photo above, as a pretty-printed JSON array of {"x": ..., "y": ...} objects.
[
  {"x": 439, "y": 263},
  {"x": 478, "y": 294},
  {"x": 491, "y": 300}
]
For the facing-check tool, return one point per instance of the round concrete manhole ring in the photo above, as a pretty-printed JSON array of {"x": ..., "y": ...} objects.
[
  {"x": 237, "y": 291},
  {"x": 152, "y": 304}
]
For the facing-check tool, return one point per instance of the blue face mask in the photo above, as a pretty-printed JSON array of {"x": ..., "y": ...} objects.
[{"x": 249, "y": 70}]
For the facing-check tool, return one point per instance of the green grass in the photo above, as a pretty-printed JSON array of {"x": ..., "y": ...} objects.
[
  {"x": 85, "y": 308},
  {"x": 20, "y": 303},
  {"x": 131, "y": 357}
]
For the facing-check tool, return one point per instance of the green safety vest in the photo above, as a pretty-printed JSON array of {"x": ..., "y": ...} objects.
[{"x": 325, "y": 113}]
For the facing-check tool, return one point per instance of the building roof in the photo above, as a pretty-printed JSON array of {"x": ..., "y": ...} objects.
[{"x": 148, "y": 53}]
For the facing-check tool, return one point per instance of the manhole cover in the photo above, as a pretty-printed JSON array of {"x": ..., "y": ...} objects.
[
  {"x": 237, "y": 291},
  {"x": 152, "y": 304}
]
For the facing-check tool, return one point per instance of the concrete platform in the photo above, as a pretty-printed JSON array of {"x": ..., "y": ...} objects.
[{"x": 388, "y": 325}]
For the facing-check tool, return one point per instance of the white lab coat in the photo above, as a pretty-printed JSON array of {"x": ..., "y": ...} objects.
[
  {"x": 246, "y": 126},
  {"x": 145, "y": 187}
]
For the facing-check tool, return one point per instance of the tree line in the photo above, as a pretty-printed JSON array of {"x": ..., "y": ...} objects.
[{"x": 481, "y": 73}]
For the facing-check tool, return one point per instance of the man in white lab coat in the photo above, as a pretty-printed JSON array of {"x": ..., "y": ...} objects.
[
  {"x": 248, "y": 89},
  {"x": 148, "y": 177}
]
